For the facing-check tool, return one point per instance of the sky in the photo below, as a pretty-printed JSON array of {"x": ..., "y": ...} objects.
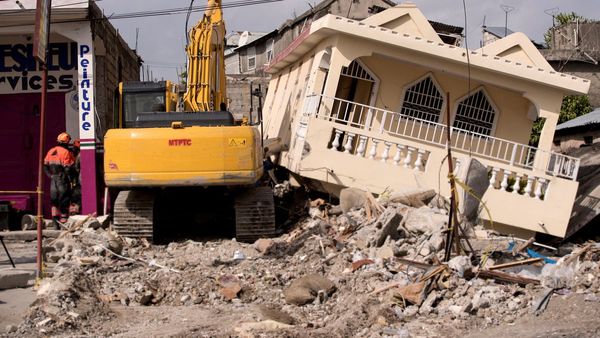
[{"x": 161, "y": 39}]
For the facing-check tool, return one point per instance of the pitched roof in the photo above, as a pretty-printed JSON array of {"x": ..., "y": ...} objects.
[
  {"x": 331, "y": 25},
  {"x": 592, "y": 117}
]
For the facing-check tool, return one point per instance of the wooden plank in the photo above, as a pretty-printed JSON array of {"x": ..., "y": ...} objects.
[
  {"x": 505, "y": 277},
  {"x": 516, "y": 263}
]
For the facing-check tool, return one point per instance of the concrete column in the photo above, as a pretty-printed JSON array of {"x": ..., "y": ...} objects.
[{"x": 545, "y": 144}]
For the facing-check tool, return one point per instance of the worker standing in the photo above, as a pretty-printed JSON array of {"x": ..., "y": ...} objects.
[{"x": 59, "y": 166}]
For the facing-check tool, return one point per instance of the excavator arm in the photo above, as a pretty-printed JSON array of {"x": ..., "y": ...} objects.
[{"x": 206, "y": 86}]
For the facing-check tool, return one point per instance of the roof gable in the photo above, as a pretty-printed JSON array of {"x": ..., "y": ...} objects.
[
  {"x": 405, "y": 18},
  {"x": 516, "y": 47}
]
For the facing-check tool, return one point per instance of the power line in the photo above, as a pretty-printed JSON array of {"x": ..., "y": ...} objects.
[{"x": 162, "y": 12}]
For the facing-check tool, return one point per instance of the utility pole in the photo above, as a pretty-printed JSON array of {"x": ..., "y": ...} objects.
[
  {"x": 40, "y": 52},
  {"x": 507, "y": 9}
]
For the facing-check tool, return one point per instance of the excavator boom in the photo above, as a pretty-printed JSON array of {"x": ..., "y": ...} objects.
[{"x": 206, "y": 86}]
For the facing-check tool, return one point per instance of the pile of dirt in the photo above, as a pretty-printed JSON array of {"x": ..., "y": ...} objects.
[{"x": 369, "y": 268}]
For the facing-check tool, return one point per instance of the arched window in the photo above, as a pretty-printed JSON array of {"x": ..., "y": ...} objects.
[
  {"x": 476, "y": 113},
  {"x": 423, "y": 100}
]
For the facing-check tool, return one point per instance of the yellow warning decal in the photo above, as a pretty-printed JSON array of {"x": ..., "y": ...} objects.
[{"x": 236, "y": 142}]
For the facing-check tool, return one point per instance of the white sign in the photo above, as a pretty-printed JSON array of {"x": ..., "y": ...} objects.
[{"x": 86, "y": 92}]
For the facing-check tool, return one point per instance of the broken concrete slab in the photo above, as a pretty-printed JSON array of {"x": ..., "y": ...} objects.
[
  {"x": 425, "y": 220},
  {"x": 415, "y": 199},
  {"x": 475, "y": 176},
  {"x": 351, "y": 198},
  {"x": 305, "y": 289},
  {"x": 389, "y": 222},
  {"x": 263, "y": 245},
  {"x": 14, "y": 278}
]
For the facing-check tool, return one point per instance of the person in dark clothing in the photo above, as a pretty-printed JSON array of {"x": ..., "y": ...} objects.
[
  {"x": 75, "y": 207},
  {"x": 58, "y": 166}
]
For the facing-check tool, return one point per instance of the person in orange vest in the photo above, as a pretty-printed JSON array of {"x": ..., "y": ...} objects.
[{"x": 59, "y": 166}]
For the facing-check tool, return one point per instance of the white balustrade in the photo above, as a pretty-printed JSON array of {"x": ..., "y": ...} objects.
[
  {"x": 336, "y": 141},
  {"x": 517, "y": 185},
  {"x": 402, "y": 126},
  {"x": 539, "y": 188},
  {"x": 408, "y": 158},
  {"x": 386, "y": 152},
  {"x": 529, "y": 187},
  {"x": 419, "y": 161},
  {"x": 494, "y": 177},
  {"x": 348, "y": 145},
  {"x": 505, "y": 176},
  {"x": 398, "y": 156},
  {"x": 373, "y": 150},
  {"x": 362, "y": 146}
]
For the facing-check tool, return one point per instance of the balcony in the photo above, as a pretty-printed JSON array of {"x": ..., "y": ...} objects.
[{"x": 385, "y": 149}]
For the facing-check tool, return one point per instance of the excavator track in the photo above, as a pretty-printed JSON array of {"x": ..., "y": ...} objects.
[
  {"x": 255, "y": 214},
  {"x": 134, "y": 214}
]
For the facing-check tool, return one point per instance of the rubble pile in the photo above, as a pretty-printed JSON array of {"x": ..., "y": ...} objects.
[{"x": 366, "y": 268}]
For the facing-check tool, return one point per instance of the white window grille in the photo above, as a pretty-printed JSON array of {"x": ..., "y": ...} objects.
[
  {"x": 251, "y": 58},
  {"x": 355, "y": 70},
  {"x": 476, "y": 114},
  {"x": 423, "y": 100}
]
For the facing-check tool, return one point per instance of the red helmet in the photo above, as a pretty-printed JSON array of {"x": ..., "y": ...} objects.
[{"x": 63, "y": 138}]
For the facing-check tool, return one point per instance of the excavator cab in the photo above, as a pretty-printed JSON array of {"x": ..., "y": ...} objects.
[{"x": 144, "y": 97}]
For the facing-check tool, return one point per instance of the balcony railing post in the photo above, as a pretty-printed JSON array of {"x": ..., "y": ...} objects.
[
  {"x": 419, "y": 161},
  {"x": 529, "y": 186},
  {"x": 494, "y": 177},
  {"x": 373, "y": 150},
  {"x": 336, "y": 141},
  {"x": 517, "y": 185},
  {"x": 386, "y": 152},
  {"x": 513, "y": 155},
  {"x": 408, "y": 158},
  {"x": 505, "y": 175},
  {"x": 539, "y": 188},
  {"x": 398, "y": 156},
  {"x": 348, "y": 145},
  {"x": 362, "y": 146}
]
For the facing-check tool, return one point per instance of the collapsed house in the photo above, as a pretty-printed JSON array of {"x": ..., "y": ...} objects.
[{"x": 363, "y": 104}]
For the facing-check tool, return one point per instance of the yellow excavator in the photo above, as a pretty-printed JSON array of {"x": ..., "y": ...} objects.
[{"x": 158, "y": 156}]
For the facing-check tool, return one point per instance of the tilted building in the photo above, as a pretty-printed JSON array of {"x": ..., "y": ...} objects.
[{"x": 363, "y": 104}]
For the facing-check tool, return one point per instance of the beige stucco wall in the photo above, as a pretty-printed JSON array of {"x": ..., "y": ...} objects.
[
  {"x": 565, "y": 143},
  {"x": 512, "y": 122}
]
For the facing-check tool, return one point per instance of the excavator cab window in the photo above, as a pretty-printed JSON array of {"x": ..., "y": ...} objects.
[{"x": 142, "y": 97}]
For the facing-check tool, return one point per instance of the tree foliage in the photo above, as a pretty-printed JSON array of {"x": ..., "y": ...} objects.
[
  {"x": 561, "y": 19},
  {"x": 572, "y": 107}
]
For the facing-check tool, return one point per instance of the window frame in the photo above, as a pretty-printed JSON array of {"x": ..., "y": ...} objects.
[
  {"x": 487, "y": 96},
  {"x": 442, "y": 115},
  {"x": 251, "y": 55}
]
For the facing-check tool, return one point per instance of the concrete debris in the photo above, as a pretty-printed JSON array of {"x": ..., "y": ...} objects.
[
  {"x": 373, "y": 268},
  {"x": 12, "y": 278},
  {"x": 352, "y": 198},
  {"x": 305, "y": 289}
]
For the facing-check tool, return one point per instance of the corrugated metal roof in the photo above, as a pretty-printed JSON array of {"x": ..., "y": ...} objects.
[
  {"x": 498, "y": 31},
  {"x": 592, "y": 117}
]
